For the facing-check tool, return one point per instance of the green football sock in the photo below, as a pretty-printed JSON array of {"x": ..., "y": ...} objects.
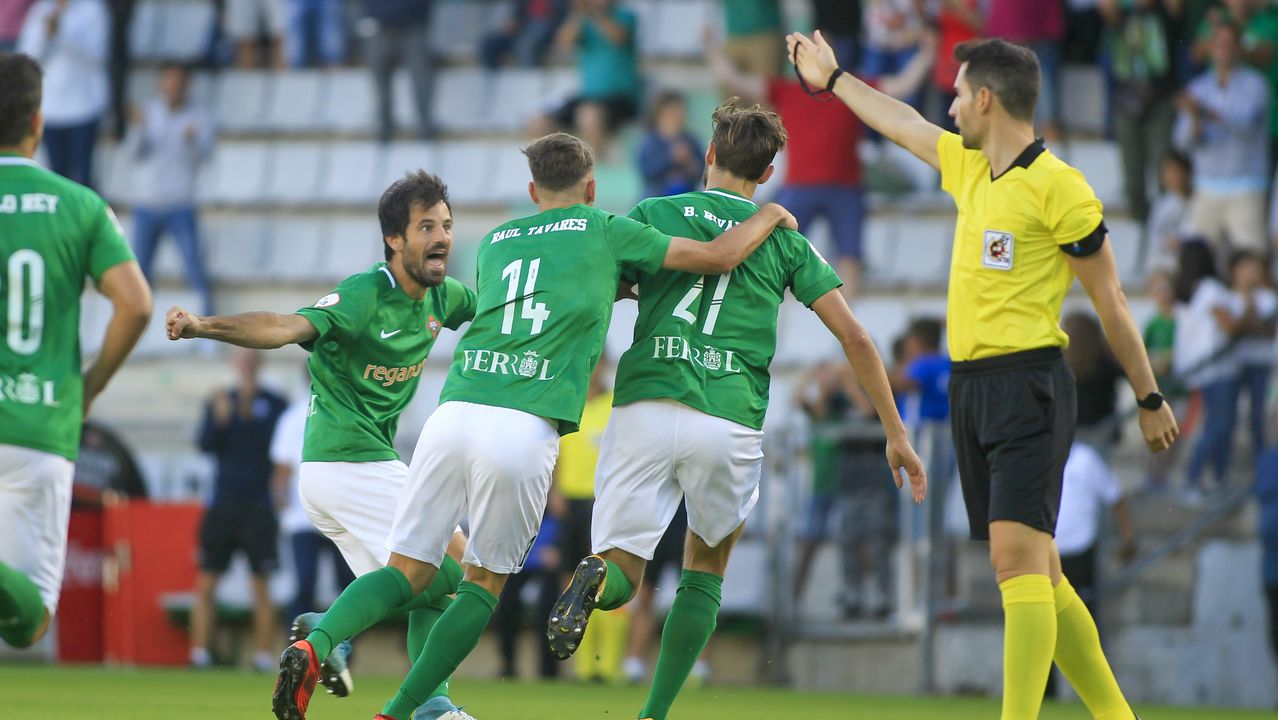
[
  {"x": 454, "y": 636},
  {"x": 616, "y": 590},
  {"x": 688, "y": 628},
  {"x": 420, "y": 622},
  {"x": 21, "y": 607},
  {"x": 445, "y": 583},
  {"x": 367, "y": 600}
]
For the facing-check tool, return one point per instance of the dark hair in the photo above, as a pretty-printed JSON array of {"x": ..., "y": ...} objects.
[
  {"x": 664, "y": 99},
  {"x": 1009, "y": 71},
  {"x": 927, "y": 331},
  {"x": 20, "y": 95},
  {"x": 746, "y": 138},
  {"x": 1087, "y": 344},
  {"x": 1194, "y": 262},
  {"x": 898, "y": 349},
  {"x": 559, "y": 161},
  {"x": 395, "y": 209},
  {"x": 1238, "y": 257}
]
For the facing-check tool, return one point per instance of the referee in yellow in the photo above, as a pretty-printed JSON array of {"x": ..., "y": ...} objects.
[{"x": 1027, "y": 225}]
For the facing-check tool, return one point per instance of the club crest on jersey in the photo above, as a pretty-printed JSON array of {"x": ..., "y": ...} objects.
[
  {"x": 998, "y": 250},
  {"x": 434, "y": 326},
  {"x": 328, "y": 300}
]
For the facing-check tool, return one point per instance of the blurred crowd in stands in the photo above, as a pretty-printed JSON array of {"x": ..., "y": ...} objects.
[{"x": 1191, "y": 98}]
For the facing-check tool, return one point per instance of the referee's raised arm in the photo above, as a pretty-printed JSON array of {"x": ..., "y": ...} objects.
[{"x": 895, "y": 120}]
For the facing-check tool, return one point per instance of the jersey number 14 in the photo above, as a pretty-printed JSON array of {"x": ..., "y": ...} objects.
[
  {"x": 25, "y": 300},
  {"x": 683, "y": 310},
  {"x": 536, "y": 312}
]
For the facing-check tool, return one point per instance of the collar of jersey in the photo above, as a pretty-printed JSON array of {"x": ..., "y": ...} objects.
[
  {"x": 729, "y": 194},
  {"x": 7, "y": 158},
  {"x": 1025, "y": 159}
]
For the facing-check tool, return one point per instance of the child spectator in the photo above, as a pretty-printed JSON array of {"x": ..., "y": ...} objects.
[
  {"x": 670, "y": 157},
  {"x": 1169, "y": 214},
  {"x": 1255, "y": 311}
]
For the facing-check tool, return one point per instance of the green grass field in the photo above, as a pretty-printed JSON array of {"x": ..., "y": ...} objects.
[{"x": 62, "y": 693}]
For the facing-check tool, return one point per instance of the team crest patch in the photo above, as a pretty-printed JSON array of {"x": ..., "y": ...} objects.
[
  {"x": 998, "y": 250},
  {"x": 434, "y": 326},
  {"x": 328, "y": 300}
]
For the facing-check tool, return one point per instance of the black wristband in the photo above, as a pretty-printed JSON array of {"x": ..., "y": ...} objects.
[{"x": 834, "y": 77}]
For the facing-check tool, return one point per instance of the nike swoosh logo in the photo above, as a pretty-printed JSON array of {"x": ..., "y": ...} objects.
[{"x": 389, "y": 334}]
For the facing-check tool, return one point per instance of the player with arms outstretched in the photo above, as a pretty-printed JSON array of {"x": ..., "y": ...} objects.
[
  {"x": 690, "y": 399},
  {"x": 546, "y": 286},
  {"x": 53, "y": 233},
  {"x": 1028, "y": 225},
  {"x": 368, "y": 339}
]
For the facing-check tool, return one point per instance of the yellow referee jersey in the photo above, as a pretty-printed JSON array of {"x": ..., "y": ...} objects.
[
  {"x": 1008, "y": 273},
  {"x": 579, "y": 452}
]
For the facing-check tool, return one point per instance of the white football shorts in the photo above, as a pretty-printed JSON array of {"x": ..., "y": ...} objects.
[
  {"x": 491, "y": 463},
  {"x": 653, "y": 453},
  {"x": 35, "y": 507}
]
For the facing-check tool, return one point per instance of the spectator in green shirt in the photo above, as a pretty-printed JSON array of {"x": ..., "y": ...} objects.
[
  {"x": 604, "y": 36},
  {"x": 752, "y": 35}
]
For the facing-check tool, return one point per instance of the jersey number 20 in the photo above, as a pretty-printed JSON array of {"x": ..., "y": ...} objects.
[
  {"x": 536, "y": 312},
  {"x": 683, "y": 310},
  {"x": 26, "y": 301}
]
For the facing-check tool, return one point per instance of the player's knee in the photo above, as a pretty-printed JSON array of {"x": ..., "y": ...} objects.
[
  {"x": 699, "y": 556},
  {"x": 486, "y": 579}
]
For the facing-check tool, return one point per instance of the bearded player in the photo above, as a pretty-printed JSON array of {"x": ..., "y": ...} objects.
[
  {"x": 690, "y": 400},
  {"x": 53, "y": 233},
  {"x": 368, "y": 339},
  {"x": 546, "y": 287}
]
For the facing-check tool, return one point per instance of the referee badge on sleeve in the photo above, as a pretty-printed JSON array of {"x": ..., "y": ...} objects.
[{"x": 998, "y": 250}]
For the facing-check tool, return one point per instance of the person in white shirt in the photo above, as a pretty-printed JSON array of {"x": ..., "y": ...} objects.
[
  {"x": 307, "y": 543},
  {"x": 1088, "y": 489},
  {"x": 69, "y": 38},
  {"x": 1200, "y": 359},
  {"x": 1254, "y": 311}
]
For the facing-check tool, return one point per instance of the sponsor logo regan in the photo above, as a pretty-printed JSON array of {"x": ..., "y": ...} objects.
[{"x": 388, "y": 376}]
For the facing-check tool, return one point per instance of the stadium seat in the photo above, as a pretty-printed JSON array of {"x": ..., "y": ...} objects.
[
  {"x": 187, "y": 30},
  {"x": 235, "y": 247},
  {"x": 352, "y": 175},
  {"x": 1101, "y": 164},
  {"x": 294, "y": 173},
  {"x": 154, "y": 341},
  {"x": 298, "y": 247},
  {"x": 354, "y": 244},
  {"x": 559, "y": 84},
  {"x": 648, "y": 14},
  {"x": 118, "y": 173},
  {"x": 242, "y": 100},
  {"x": 398, "y": 158},
  {"x": 236, "y": 174},
  {"x": 463, "y": 100},
  {"x": 348, "y": 105},
  {"x": 510, "y": 175},
  {"x": 1125, "y": 236},
  {"x": 403, "y": 102},
  {"x": 457, "y": 26},
  {"x": 516, "y": 97},
  {"x": 294, "y": 101},
  {"x": 467, "y": 168}
]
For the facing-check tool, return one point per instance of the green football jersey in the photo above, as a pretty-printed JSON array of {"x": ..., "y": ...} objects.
[
  {"x": 53, "y": 233},
  {"x": 366, "y": 363},
  {"x": 707, "y": 340},
  {"x": 546, "y": 287}
]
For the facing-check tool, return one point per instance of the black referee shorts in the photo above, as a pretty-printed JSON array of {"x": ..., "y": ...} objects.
[
  {"x": 227, "y": 529},
  {"x": 1013, "y": 420}
]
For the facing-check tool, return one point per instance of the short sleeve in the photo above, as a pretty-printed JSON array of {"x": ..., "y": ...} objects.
[
  {"x": 459, "y": 304},
  {"x": 341, "y": 313},
  {"x": 107, "y": 246},
  {"x": 635, "y": 245},
  {"x": 639, "y": 213},
  {"x": 810, "y": 275},
  {"x": 286, "y": 441},
  {"x": 1071, "y": 209},
  {"x": 953, "y": 157}
]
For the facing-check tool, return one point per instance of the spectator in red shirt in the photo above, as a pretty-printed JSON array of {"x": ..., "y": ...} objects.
[
  {"x": 823, "y": 173},
  {"x": 957, "y": 21}
]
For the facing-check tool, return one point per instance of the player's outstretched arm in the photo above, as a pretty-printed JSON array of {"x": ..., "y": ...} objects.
[
  {"x": 130, "y": 296},
  {"x": 1099, "y": 277},
  {"x": 724, "y": 253},
  {"x": 892, "y": 118},
  {"x": 864, "y": 358},
  {"x": 260, "y": 330}
]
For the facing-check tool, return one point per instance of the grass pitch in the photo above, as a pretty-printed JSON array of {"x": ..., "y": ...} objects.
[{"x": 75, "y": 693}]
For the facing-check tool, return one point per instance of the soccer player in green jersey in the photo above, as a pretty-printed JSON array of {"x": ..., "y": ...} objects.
[
  {"x": 369, "y": 339},
  {"x": 690, "y": 399},
  {"x": 53, "y": 232},
  {"x": 546, "y": 286}
]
